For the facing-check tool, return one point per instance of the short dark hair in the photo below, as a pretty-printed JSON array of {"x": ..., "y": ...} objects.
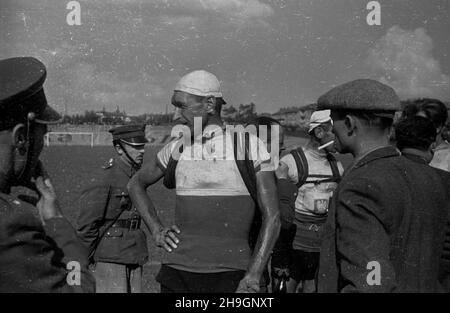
[
  {"x": 117, "y": 142},
  {"x": 410, "y": 109},
  {"x": 264, "y": 121},
  {"x": 368, "y": 117},
  {"x": 415, "y": 132},
  {"x": 434, "y": 109}
]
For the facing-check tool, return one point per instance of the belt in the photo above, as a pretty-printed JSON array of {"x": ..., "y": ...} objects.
[{"x": 130, "y": 224}]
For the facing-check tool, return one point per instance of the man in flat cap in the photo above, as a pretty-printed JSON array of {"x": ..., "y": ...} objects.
[
  {"x": 39, "y": 249},
  {"x": 109, "y": 224},
  {"x": 386, "y": 224},
  {"x": 208, "y": 249}
]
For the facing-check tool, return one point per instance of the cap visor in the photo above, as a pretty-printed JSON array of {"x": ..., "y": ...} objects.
[
  {"x": 136, "y": 141},
  {"x": 49, "y": 116}
]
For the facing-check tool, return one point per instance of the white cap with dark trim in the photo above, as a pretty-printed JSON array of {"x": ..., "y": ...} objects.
[
  {"x": 200, "y": 83},
  {"x": 318, "y": 118}
]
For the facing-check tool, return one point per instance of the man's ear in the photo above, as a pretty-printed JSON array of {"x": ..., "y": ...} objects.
[
  {"x": 210, "y": 102},
  {"x": 19, "y": 137},
  {"x": 118, "y": 149},
  {"x": 350, "y": 122}
]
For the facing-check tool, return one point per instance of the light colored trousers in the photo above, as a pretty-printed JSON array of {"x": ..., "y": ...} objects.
[{"x": 117, "y": 278}]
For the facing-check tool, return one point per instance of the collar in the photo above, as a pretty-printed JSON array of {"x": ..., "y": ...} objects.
[
  {"x": 443, "y": 146},
  {"x": 415, "y": 155},
  {"x": 125, "y": 167},
  {"x": 379, "y": 153},
  {"x": 210, "y": 131}
]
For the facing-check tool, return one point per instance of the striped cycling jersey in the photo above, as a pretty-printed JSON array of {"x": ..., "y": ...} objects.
[{"x": 214, "y": 209}]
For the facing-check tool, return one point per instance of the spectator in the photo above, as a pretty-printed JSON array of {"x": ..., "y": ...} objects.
[{"x": 386, "y": 224}]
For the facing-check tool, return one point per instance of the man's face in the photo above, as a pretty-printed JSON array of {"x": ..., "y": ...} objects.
[
  {"x": 136, "y": 153},
  {"x": 340, "y": 131},
  {"x": 326, "y": 135},
  {"x": 188, "y": 108}
]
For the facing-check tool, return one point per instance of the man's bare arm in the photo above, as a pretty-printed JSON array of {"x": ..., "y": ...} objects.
[
  {"x": 268, "y": 234},
  {"x": 137, "y": 186}
]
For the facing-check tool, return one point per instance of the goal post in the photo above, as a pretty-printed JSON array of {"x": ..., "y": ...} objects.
[{"x": 69, "y": 139}]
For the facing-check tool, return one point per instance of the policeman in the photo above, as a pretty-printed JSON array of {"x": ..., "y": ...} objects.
[
  {"x": 108, "y": 223},
  {"x": 37, "y": 244},
  {"x": 386, "y": 224}
]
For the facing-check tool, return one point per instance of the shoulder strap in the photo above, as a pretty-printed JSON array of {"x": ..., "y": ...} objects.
[
  {"x": 302, "y": 165},
  {"x": 99, "y": 238},
  {"x": 247, "y": 170},
  {"x": 169, "y": 175},
  {"x": 245, "y": 167},
  {"x": 334, "y": 167}
]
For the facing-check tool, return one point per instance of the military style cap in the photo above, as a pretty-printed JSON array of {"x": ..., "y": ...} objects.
[
  {"x": 22, "y": 94},
  {"x": 362, "y": 95},
  {"x": 130, "y": 134}
]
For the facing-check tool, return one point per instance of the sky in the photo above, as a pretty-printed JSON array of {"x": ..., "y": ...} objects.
[{"x": 279, "y": 53}]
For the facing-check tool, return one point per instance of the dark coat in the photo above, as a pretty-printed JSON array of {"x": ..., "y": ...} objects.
[
  {"x": 390, "y": 210},
  {"x": 99, "y": 206},
  {"x": 33, "y": 257}
]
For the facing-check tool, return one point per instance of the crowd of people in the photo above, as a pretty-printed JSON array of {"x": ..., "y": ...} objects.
[{"x": 250, "y": 215}]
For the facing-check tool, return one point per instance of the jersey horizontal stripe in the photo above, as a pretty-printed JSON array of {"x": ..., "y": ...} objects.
[{"x": 214, "y": 233}]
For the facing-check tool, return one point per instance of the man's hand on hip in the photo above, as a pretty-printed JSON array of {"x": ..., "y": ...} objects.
[{"x": 166, "y": 238}]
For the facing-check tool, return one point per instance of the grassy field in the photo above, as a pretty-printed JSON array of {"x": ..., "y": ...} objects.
[{"x": 74, "y": 168}]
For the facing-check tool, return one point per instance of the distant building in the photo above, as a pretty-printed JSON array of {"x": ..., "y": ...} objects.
[
  {"x": 295, "y": 117},
  {"x": 115, "y": 117}
]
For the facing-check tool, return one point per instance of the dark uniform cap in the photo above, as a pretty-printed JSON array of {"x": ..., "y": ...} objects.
[
  {"x": 130, "y": 134},
  {"x": 362, "y": 95},
  {"x": 21, "y": 93}
]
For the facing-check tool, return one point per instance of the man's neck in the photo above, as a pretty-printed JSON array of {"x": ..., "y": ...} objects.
[
  {"x": 214, "y": 120},
  {"x": 313, "y": 145},
  {"x": 369, "y": 144},
  {"x": 439, "y": 140}
]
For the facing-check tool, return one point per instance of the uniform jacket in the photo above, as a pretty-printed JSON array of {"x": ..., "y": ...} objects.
[
  {"x": 388, "y": 214},
  {"x": 99, "y": 205},
  {"x": 33, "y": 258}
]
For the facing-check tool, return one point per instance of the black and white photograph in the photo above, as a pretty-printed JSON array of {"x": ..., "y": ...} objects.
[{"x": 224, "y": 151}]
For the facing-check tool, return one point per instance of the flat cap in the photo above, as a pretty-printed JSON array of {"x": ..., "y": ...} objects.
[
  {"x": 130, "y": 134},
  {"x": 22, "y": 92},
  {"x": 362, "y": 95}
]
